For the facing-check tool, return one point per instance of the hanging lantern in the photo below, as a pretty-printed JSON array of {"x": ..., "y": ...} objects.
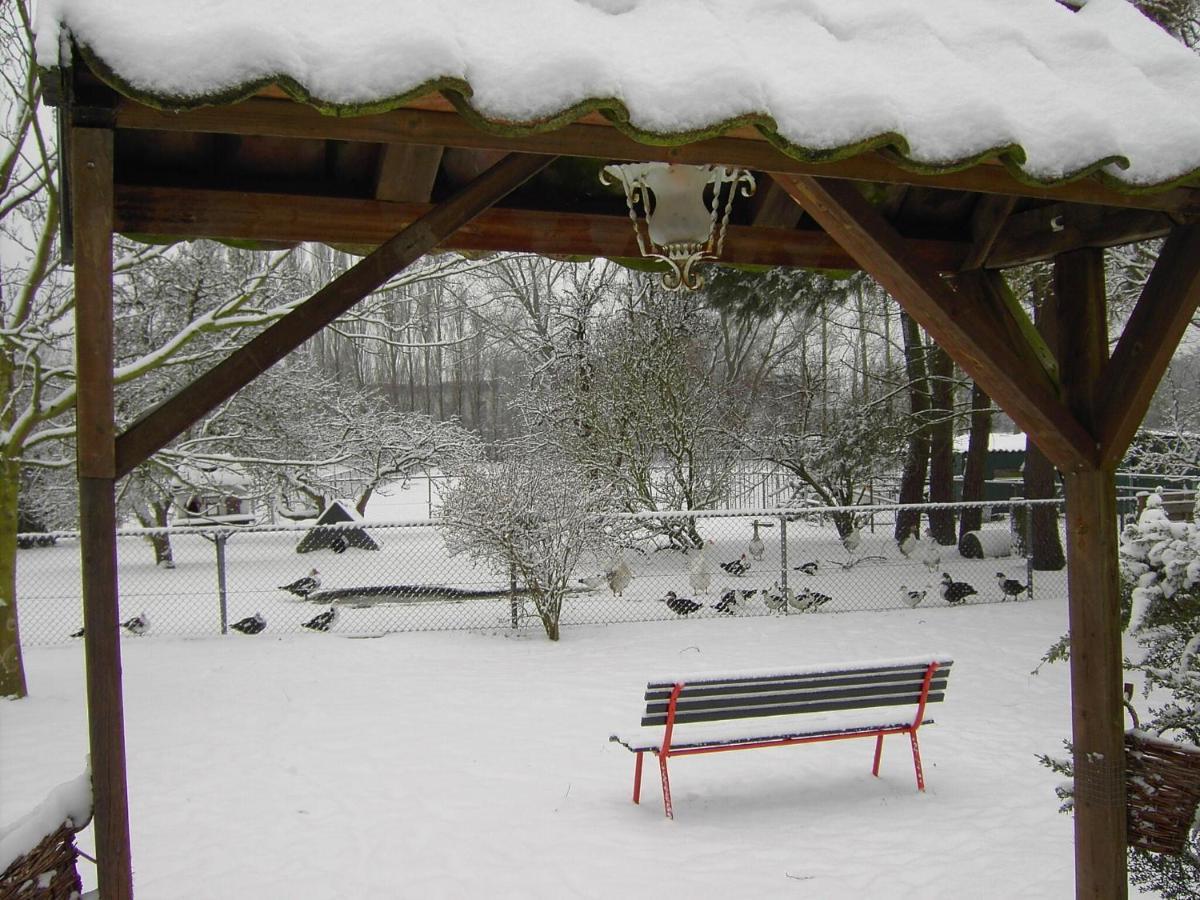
[{"x": 674, "y": 224}]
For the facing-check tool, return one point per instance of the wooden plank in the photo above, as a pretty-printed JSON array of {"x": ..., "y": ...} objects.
[
  {"x": 1058, "y": 228},
  {"x": 1164, "y": 310},
  {"x": 407, "y": 172},
  {"x": 965, "y": 330},
  {"x": 771, "y": 207},
  {"x": 182, "y": 212},
  {"x": 991, "y": 212},
  {"x": 91, "y": 173},
  {"x": 422, "y": 126},
  {"x": 1093, "y": 593},
  {"x": 153, "y": 430}
]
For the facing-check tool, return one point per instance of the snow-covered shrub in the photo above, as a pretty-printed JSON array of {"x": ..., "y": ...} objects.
[
  {"x": 532, "y": 515},
  {"x": 1160, "y": 575}
]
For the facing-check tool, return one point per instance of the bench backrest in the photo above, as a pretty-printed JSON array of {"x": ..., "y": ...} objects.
[{"x": 710, "y": 699}]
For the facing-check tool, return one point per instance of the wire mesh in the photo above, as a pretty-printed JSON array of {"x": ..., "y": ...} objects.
[{"x": 382, "y": 577}]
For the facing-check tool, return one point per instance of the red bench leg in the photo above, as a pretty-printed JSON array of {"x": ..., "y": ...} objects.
[
  {"x": 637, "y": 779},
  {"x": 666, "y": 784},
  {"x": 917, "y": 761},
  {"x": 878, "y": 753}
]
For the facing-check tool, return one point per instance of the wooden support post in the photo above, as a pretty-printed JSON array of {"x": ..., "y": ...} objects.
[
  {"x": 1094, "y": 604},
  {"x": 92, "y": 197}
]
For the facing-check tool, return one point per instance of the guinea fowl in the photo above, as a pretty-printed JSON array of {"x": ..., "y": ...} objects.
[
  {"x": 138, "y": 625},
  {"x": 321, "y": 621},
  {"x": 738, "y": 566},
  {"x": 954, "y": 592},
  {"x": 250, "y": 625},
  {"x": 681, "y": 605},
  {"x": 1010, "y": 587},
  {"x": 304, "y": 586},
  {"x": 911, "y": 598}
]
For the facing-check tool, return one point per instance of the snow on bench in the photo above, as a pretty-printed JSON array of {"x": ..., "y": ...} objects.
[{"x": 708, "y": 713}]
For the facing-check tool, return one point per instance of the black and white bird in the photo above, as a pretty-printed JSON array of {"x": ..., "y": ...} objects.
[
  {"x": 681, "y": 605},
  {"x": 1010, "y": 587},
  {"x": 78, "y": 633},
  {"x": 808, "y": 568},
  {"x": 954, "y": 592},
  {"x": 809, "y": 601},
  {"x": 321, "y": 621},
  {"x": 593, "y": 582},
  {"x": 250, "y": 625},
  {"x": 138, "y": 625},
  {"x": 738, "y": 566},
  {"x": 911, "y": 599},
  {"x": 302, "y": 587},
  {"x": 733, "y": 601}
]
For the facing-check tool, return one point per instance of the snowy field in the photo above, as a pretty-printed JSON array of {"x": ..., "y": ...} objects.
[{"x": 470, "y": 764}]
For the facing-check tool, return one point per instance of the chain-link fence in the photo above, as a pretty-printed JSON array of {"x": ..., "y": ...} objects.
[{"x": 381, "y": 577}]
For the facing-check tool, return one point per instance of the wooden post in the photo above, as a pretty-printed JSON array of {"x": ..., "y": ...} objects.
[
  {"x": 92, "y": 197},
  {"x": 1093, "y": 585}
]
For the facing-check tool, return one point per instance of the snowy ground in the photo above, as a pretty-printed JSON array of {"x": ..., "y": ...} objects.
[{"x": 477, "y": 765}]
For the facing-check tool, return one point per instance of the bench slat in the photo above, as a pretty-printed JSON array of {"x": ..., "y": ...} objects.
[
  {"x": 749, "y": 712},
  {"x": 826, "y": 675},
  {"x": 764, "y": 704},
  {"x": 690, "y": 691}
]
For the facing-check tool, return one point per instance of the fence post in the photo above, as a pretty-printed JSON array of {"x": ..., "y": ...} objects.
[
  {"x": 783, "y": 560},
  {"x": 512, "y": 596},
  {"x": 219, "y": 539},
  {"x": 1027, "y": 540}
]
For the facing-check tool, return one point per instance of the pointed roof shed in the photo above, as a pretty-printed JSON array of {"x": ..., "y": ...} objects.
[{"x": 931, "y": 143}]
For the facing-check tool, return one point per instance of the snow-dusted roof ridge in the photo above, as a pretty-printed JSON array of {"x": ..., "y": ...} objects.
[{"x": 1053, "y": 93}]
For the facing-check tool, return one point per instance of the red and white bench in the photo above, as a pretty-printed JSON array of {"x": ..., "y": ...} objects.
[{"x": 748, "y": 710}]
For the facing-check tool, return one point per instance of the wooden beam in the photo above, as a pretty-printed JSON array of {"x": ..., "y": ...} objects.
[
  {"x": 407, "y": 172},
  {"x": 965, "y": 329},
  {"x": 1164, "y": 310},
  {"x": 603, "y": 141},
  {"x": 1094, "y": 599},
  {"x": 182, "y": 212},
  {"x": 991, "y": 212},
  {"x": 153, "y": 430},
  {"x": 1058, "y": 228},
  {"x": 91, "y": 174},
  {"x": 771, "y": 207}
]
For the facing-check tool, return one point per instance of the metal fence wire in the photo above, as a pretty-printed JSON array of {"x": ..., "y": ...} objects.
[{"x": 381, "y": 577}]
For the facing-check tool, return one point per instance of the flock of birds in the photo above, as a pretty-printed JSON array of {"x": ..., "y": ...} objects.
[
  {"x": 619, "y": 576},
  {"x": 776, "y": 598},
  {"x": 301, "y": 587}
]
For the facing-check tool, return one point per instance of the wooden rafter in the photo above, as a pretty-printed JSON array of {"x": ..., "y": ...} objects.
[
  {"x": 969, "y": 331},
  {"x": 991, "y": 212},
  {"x": 240, "y": 215},
  {"x": 406, "y": 172},
  {"x": 153, "y": 430},
  {"x": 748, "y": 150},
  {"x": 773, "y": 208},
  {"x": 1168, "y": 302},
  {"x": 1058, "y": 228}
]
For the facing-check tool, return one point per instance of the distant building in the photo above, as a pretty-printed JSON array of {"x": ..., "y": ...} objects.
[{"x": 214, "y": 494}]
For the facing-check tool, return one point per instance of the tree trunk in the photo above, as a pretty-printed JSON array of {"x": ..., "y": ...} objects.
[
  {"x": 912, "y": 480},
  {"x": 155, "y": 516},
  {"x": 12, "y": 668},
  {"x": 976, "y": 465},
  {"x": 941, "y": 445}
]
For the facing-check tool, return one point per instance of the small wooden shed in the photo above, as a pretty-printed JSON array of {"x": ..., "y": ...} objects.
[{"x": 931, "y": 143}]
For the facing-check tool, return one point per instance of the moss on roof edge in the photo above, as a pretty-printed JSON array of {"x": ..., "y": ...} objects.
[{"x": 459, "y": 92}]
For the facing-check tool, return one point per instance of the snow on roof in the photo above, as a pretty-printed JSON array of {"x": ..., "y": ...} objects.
[
  {"x": 1007, "y": 443},
  {"x": 1054, "y": 92}
]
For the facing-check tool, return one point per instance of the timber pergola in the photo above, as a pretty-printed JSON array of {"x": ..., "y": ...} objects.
[{"x": 427, "y": 173}]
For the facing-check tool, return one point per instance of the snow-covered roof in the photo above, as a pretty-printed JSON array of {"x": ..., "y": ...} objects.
[
  {"x": 1007, "y": 443},
  {"x": 1052, "y": 92}
]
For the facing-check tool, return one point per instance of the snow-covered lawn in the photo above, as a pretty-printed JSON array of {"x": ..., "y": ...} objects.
[{"x": 478, "y": 765}]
